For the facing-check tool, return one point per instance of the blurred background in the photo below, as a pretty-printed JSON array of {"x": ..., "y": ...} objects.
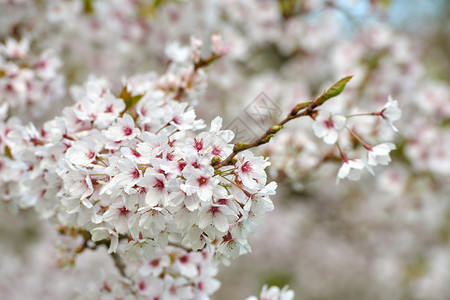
[{"x": 383, "y": 237}]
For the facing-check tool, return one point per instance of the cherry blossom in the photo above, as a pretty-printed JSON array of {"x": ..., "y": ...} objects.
[
  {"x": 351, "y": 169},
  {"x": 379, "y": 154},
  {"x": 390, "y": 112},
  {"x": 327, "y": 126}
]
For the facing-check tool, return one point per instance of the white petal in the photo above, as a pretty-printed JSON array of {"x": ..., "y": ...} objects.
[
  {"x": 205, "y": 220},
  {"x": 339, "y": 121},
  {"x": 331, "y": 137},
  {"x": 221, "y": 223},
  {"x": 319, "y": 129},
  {"x": 216, "y": 124}
]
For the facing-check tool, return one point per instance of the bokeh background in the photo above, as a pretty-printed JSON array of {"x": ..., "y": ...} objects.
[{"x": 383, "y": 237}]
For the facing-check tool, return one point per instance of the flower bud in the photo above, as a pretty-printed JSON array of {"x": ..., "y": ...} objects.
[
  {"x": 215, "y": 161},
  {"x": 240, "y": 146},
  {"x": 275, "y": 128},
  {"x": 299, "y": 107},
  {"x": 266, "y": 139}
]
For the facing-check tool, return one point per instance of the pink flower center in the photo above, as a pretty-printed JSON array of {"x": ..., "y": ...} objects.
[
  {"x": 216, "y": 150},
  {"x": 198, "y": 145},
  {"x": 9, "y": 87},
  {"x": 184, "y": 259},
  {"x": 173, "y": 290},
  {"x": 90, "y": 155},
  {"x": 135, "y": 153},
  {"x": 176, "y": 120},
  {"x": 159, "y": 185},
  {"x": 123, "y": 211},
  {"x": 170, "y": 156},
  {"x": 135, "y": 174},
  {"x": 41, "y": 64},
  {"x": 155, "y": 262},
  {"x": 181, "y": 165},
  {"x": 329, "y": 123},
  {"x": 222, "y": 201},
  {"x": 227, "y": 237},
  {"x": 246, "y": 167},
  {"x": 109, "y": 109},
  {"x": 214, "y": 210},
  {"x": 127, "y": 130},
  {"x": 202, "y": 180}
]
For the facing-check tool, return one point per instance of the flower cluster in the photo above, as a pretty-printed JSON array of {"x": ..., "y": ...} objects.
[
  {"x": 141, "y": 180},
  {"x": 174, "y": 274},
  {"x": 327, "y": 126},
  {"x": 28, "y": 84}
]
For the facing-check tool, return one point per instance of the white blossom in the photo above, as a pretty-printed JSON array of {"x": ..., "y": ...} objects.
[
  {"x": 351, "y": 169},
  {"x": 379, "y": 154},
  {"x": 327, "y": 126},
  {"x": 390, "y": 112}
]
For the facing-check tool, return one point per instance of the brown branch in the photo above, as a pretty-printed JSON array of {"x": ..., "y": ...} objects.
[
  {"x": 88, "y": 237},
  {"x": 118, "y": 262},
  {"x": 308, "y": 110},
  {"x": 204, "y": 62}
]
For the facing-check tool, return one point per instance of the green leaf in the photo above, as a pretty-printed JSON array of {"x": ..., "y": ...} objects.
[
  {"x": 88, "y": 6},
  {"x": 337, "y": 88},
  {"x": 133, "y": 101},
  {"x": 129, "y": 100},
  {"x": 334, "y": 90}
]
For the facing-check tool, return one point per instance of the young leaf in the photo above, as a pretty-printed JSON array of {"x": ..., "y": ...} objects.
[
  {"x": 334, "y": 90},
  {"x": 129, "y": 100}
]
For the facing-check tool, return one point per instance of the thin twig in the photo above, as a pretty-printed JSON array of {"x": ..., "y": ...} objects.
[
  {"x": 118, "y": 262},
  {"x": 308, "y": 110}
]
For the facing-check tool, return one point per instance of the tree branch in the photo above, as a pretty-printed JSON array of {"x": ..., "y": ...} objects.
[
  {"x": 118, "y": 262},
  {"x": 307, "y": 109}
]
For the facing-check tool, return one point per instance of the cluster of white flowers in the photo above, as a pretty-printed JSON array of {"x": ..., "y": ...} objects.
[
  {"x": 29, "y": 84},
  {"x": 327, "y": 127},
  {"x": 142, "y": 173},
  {"x": 173, "y": 274},
  {"x": 304, "y": 151},
  {"x": 137, "y": 173}
]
